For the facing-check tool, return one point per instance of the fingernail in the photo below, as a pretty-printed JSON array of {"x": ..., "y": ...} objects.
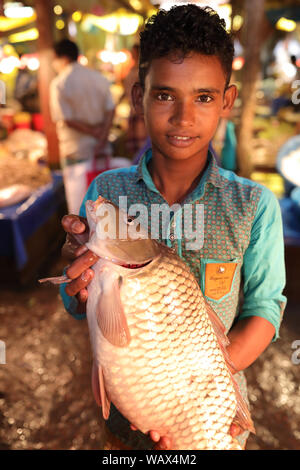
[
  {"x": 86, "y": 276},
  {"x": 77, "y": 227},
  {"x": 83, "y": 295}
]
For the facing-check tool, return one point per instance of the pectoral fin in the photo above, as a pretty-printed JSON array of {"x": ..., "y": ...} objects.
[{"x": 110, "y": 315}]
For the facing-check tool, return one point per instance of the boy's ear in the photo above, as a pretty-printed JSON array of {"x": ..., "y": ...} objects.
[
  {"x": 230, "y": 96},
  {"x": 137, "y": 98}
]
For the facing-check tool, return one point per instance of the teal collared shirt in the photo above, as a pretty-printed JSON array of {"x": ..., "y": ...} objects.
[{"x": 241, "y": 245}]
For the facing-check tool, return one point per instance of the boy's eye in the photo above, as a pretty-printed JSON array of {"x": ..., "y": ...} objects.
[
  {"x": 164, "y": 97},
  {"x": 204, "y": 98}
]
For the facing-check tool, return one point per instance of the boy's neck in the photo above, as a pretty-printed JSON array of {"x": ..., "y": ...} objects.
[{"x": 176, "y": 179}]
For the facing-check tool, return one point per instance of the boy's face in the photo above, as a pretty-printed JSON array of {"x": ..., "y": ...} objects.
[{"x": 182, "y": 104}]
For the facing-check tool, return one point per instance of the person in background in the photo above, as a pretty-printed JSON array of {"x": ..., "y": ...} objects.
[
  {"x": 26, "y": 91},
  {"x": 136, "y": 134},
  {"x": 82, "y": 107}
]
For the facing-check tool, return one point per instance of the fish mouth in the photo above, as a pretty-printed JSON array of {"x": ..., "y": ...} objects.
[{"x": 134, "y": 266}]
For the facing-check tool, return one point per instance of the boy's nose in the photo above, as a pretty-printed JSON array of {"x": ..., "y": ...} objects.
[{"x": 184, "y": 114}]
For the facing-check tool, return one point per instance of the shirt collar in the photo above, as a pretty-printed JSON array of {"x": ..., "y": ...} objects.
[{"x": 211, "y": 174}]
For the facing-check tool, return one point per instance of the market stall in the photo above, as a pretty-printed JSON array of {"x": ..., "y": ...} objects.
[{"x": 32, "y": 202}]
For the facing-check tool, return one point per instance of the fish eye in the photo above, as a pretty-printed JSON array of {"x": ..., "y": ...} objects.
[{"x": 130, "y": 220}]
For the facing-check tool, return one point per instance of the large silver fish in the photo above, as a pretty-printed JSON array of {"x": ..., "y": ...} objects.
[{"x": 159, "y": 349}]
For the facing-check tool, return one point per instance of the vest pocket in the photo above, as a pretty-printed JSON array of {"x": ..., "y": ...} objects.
[{"x": 218, "y": 278}]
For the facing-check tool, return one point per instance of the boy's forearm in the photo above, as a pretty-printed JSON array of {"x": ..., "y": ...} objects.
[{"x": 248, "y": 339}]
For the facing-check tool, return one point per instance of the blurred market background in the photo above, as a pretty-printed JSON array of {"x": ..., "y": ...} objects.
[{"x": 45, "y": 393}]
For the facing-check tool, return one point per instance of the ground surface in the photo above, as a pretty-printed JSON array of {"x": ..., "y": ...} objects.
[{"x": 45, "y": 392}]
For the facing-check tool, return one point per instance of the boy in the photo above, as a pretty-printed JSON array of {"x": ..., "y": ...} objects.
[{"x": 185, "y": 67}]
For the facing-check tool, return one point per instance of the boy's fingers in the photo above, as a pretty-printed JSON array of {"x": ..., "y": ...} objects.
[
  {"x": 74, "y": 287},
  {"x": 154, "y": 435},
  {"x": 81, "y": 264},
  {"x": 82, "y": 297},
  {"x": 163, "y": 444},
  {"x": 235, "y": 430},
  {"x": 133, "y": 428},
  {"x": 77, "y": 235},
  {"x": 74, "y": 224}
]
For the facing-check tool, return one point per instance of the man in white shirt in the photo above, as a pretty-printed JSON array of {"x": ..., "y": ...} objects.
[{"x": 82, "y": 108}]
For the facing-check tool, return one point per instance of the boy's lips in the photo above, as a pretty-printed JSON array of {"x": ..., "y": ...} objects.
[{"x": 179, "y": 140}]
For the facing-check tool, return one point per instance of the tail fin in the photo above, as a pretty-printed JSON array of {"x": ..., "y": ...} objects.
[{"x": 242, "y": 417}]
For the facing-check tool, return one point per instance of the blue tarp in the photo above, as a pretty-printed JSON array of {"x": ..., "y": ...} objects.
[{"x": 20, "y": 221}]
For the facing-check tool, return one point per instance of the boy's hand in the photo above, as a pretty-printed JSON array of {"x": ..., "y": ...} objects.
[
  {"x": 82, "y": 258},
  {"x": 165, "y": 443},
  {"x": 162, "y": 443}
]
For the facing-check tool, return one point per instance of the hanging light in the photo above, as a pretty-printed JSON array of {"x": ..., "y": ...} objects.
[
  {"x": 33, "y": 64},
  {"x": 58, "y": 9},
  {"x": 238, "y": 63},
  {"x": 136, "y": 4},
  {"x": 286, "y": 25},
  {"x": 237, "y": 22},
  {"x": 17, "y": 10},
  {"x": 112, "y": 57},
  {"x": 83, "y": 60},
  {"x": 28, "y": 35},
  {"x": 129, "y": 25},
  {"x": 120, "y": 21},
  {"x": 77, "y": 16},
  {"x": 60, "y": 24},
  {"x": 9, "y": 64}
]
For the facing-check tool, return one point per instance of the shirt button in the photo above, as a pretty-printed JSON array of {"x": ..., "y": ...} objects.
[{"x": 172, "y": 237}]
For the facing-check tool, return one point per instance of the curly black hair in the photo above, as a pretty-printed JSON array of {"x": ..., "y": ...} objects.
[{"x": 182, "y": 30}]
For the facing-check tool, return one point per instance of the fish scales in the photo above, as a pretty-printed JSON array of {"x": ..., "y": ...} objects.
[{"x": 189, "y": 394}]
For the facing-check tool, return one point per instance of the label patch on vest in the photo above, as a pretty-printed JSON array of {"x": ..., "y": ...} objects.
[{"x": 218, "y": 279}]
